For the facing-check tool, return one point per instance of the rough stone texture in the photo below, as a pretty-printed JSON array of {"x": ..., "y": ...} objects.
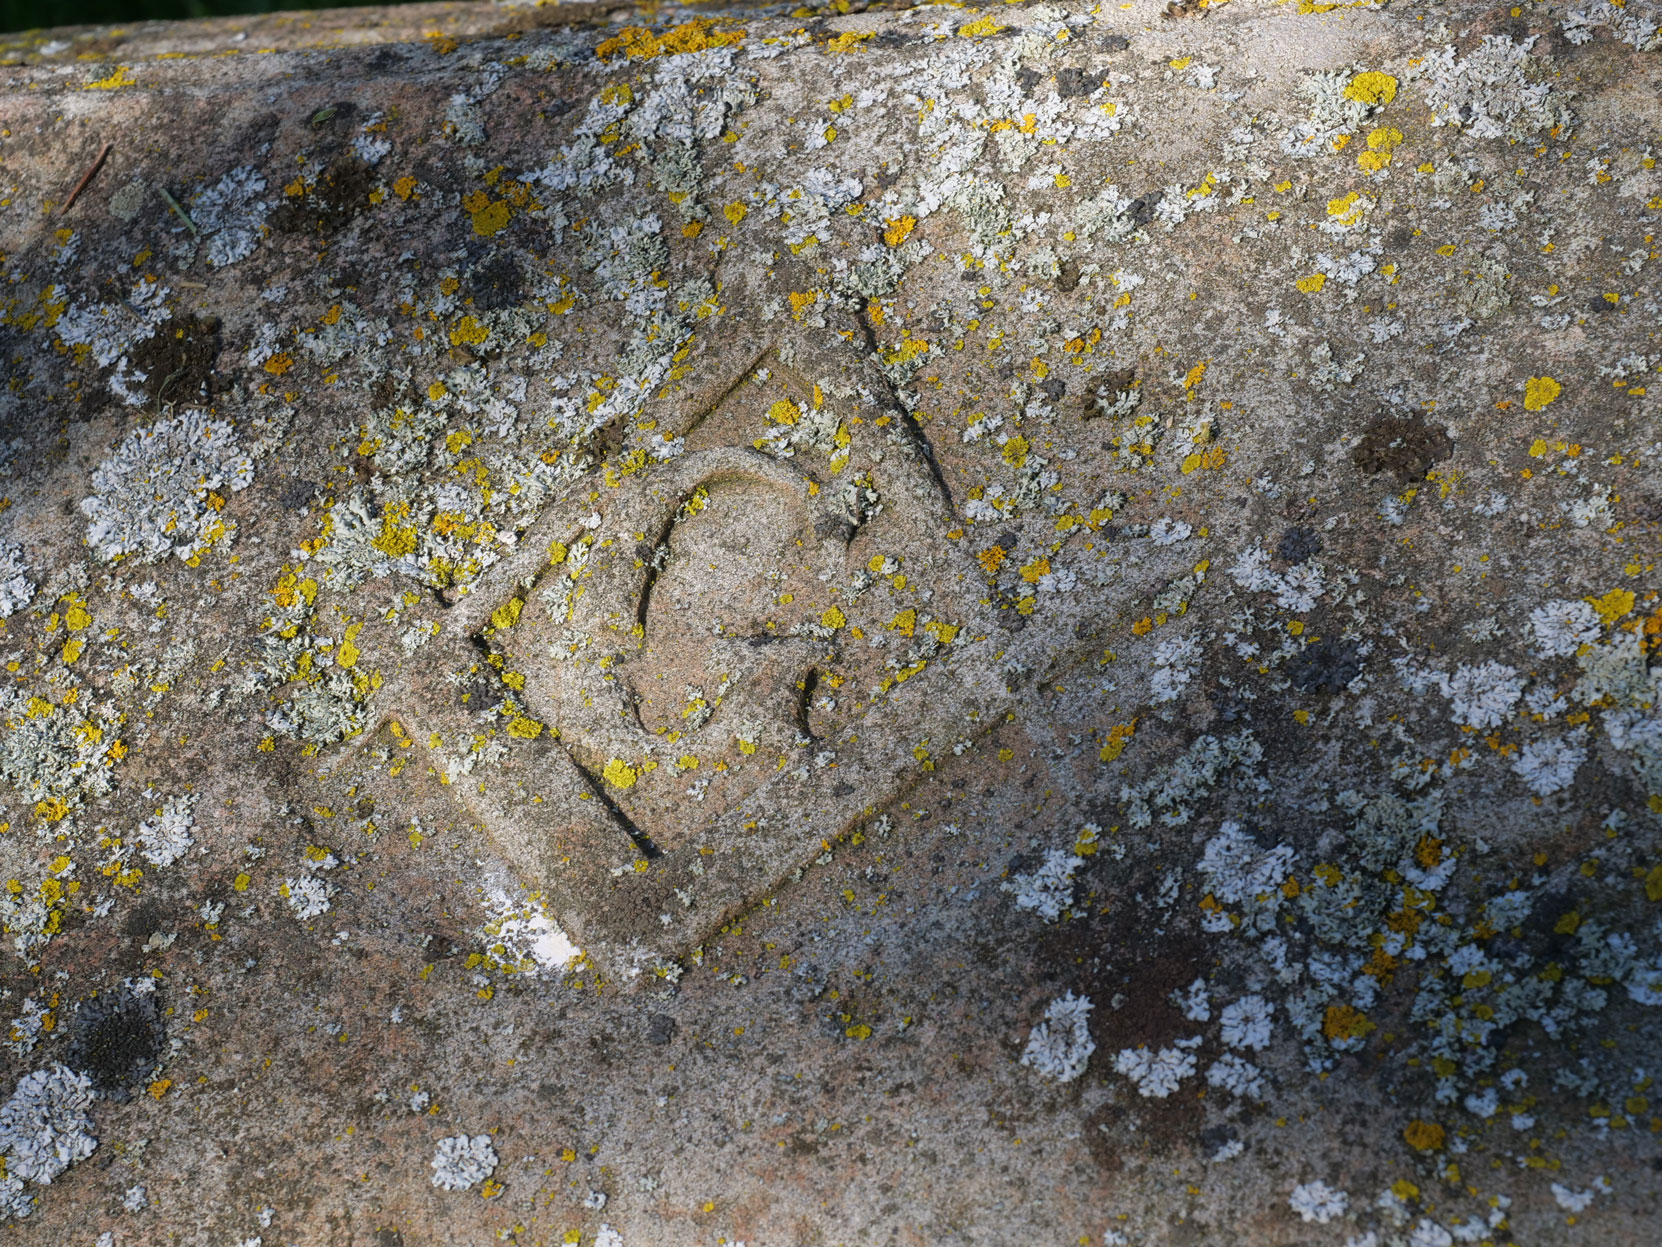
[{"x": 1061, "y": 601}]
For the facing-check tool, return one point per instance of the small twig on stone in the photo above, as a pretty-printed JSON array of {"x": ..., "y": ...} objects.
[
  {"x": 167, "y": 381},
  {"x": 87, "y": 177},
  {"x": 183, "y": 215}
]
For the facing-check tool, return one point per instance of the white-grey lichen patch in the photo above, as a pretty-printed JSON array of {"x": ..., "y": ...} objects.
[
  {"x": 1490, "y": 92},
  {"x": 462, "y": 1161},
  {"x": 1060, "y": 1046},
  {"x": 1157, "y": 1074},
  {"x": 320, "y": 713},
  {"x": 1317, "y": 1202},
  {"x": 159, "y": 493},
  {"x": 17, "y": 590},
  {"x": 165, "y": 835},
  {"x": 231, "y": 215},
  {"x": 1048, "y": 891},
  {"x": 307, "y": 895},
  {"x": 45, "y": 1127},
  {"x": 59, "y": 753}
]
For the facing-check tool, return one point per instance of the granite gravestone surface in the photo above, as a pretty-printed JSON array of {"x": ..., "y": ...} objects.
[{"x": 961, "y": 625}]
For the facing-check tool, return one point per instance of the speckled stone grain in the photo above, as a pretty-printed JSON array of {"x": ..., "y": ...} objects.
[{"x": 635, "y": 625}]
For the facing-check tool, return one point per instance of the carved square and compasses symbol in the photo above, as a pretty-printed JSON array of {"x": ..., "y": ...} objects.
[{"x": 661, "y": 627}]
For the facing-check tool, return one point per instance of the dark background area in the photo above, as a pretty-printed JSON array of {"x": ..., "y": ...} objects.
[{"x": 29, "y": 14}]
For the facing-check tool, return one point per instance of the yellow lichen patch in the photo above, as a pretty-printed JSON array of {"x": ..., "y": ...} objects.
[
  {"x": 908, "y": 350},
  {"x": 848, "y": 41},
  {"x": 735, "y": 212},
  {"x": 833, "y": 617},
  {"x": 469, "y": 332},
  {"x": 638, "y": 43},
  {"x": 981, "y": 27},
  {"x": 490, "y": 216},
  {"x": 1119, "y": 736},
  {"x": 619, "y": 774},
  {"x": 1381, "y": 143},
  {"x": 784, "y": 412},
  {"x": 405, "y": 187},
  {"x": 1613, "y": 605},
  {"x": 897, "y": 229},
  {"x": 1539, "y": 392},
  {"x": 347, "y": 654},
  {"x": 1193, "y": 377},
  {"x": 1372, "y": 88},
  {"x": 1342, "y": 1022},
  {"x": 507, "y": 615},
  {"x": 1423, "y": 1136},
  {"x": 991, "y": 559},
  {"x": 122, "y": 77},
  {"x": 1348, "y": 209},
  {"x": 1653, "y": 884},
  {"x": 1036, "y": 570},
  {"x": 1312, "y": 283},
  {"x": 943, "y": 632},
  {"x": 524, "y": 727},
  {"x": 1212, "y": 458},
  {"x": 905, "y": 622},
  {"x": 1015, "y": 451},
  {"x": 280, "y": 363}
]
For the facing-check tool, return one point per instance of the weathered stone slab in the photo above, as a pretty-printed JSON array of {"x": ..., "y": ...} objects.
[{"x": 1036, "y": 623}]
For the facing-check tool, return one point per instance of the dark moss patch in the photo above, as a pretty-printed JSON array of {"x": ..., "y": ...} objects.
[
  {"x": 1404, "y": 446},
  {"x": 339, "y": 194},
  {"x": 120, "y": 1037},
  {"x": 178, "y": 360},
  {"x": 1114, "y": 383}
]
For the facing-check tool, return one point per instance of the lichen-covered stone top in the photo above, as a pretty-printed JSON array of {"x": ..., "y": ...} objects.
[{"x": 1035, "y": 623}]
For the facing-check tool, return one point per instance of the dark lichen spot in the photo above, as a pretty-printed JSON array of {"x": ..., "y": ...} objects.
[
  {"x": 660, "y": 1029},
  {"x": 1298, "y": 544},
  {"x": 496, "y": 281},
  {"x": 1327, "y": 666},
  {"x": 298, "y": 493},
  {"x": 119, "y": 1039},
  {"x": 1067, "y": 277},
  {"x": 1072, "y": 82},
  {"x": 1404, "y": 446},
  {"x": 145, "y": 920}
]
